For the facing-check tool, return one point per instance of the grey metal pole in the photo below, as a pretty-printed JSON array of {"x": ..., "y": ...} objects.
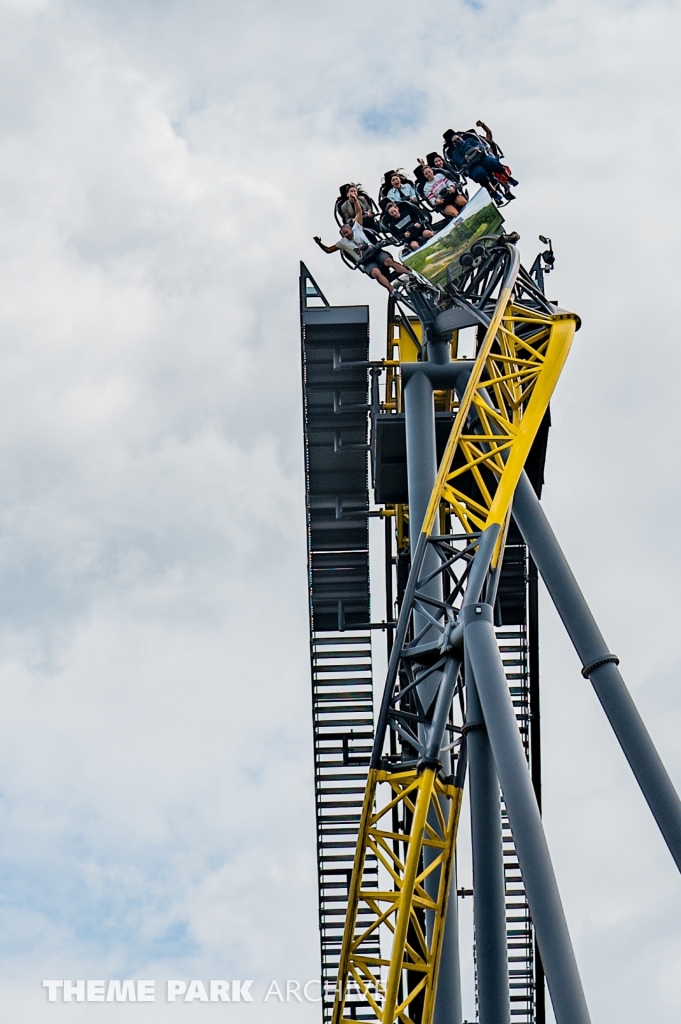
[
  {"x": 562, "y": 975},
  {"x": 448, "y": 1002},
  {"x": 600, "y": 666},
  {"x": 419, "y": 413},
  {"x": 421, "y": 475},
  {"x": 489, "y": 891},
  {"x": 434, "y": 755},
  {"x": 448, "y": 1005}
]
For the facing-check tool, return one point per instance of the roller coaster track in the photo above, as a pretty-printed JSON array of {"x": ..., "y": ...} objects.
[{"x": 413, "y": 797}]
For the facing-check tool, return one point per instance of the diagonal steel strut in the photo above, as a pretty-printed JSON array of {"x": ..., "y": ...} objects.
[{"x": 600, "y": 667}]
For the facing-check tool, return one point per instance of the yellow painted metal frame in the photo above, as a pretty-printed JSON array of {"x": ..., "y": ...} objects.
[
  {"x": 509, "y": 388},
  {"x": 434, "y": 808}
]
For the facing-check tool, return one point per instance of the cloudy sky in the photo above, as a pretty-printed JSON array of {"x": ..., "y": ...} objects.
[{"x": 163, "y": 166}]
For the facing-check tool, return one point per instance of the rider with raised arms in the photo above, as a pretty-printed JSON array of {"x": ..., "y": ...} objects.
[{"x": 365, "y": 252}]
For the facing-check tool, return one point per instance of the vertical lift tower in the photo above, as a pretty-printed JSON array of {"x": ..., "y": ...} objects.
[{"x": 456, "y": 449}]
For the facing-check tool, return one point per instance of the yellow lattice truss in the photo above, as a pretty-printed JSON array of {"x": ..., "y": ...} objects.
[
  {"x": 509, "y": 391},
  {"x": 418, "y": 866}
]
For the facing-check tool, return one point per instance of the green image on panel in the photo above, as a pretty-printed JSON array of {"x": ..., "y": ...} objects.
[{"x": 438, "y": 259}]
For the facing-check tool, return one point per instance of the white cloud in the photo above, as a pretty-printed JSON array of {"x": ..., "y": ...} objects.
[{"x": 162, "y": 170}]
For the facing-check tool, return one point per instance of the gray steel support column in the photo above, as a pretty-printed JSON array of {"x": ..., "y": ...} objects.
[
  {"x": 448, "y": 1003},
  {"x": 600, "y": 666},
  {"x": 419, "y": 414},
  {"x": 439, "y": 349},
  {"x": 562, "y": 975},
  {"x": 489, "y": 903},
  {"x": 421, "y": 475},
  {"x": 421, "y": 472},
  {"x": 448, "y": 1006}
]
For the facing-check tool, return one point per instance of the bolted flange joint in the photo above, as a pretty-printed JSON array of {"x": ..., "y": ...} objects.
[
  {"x": 452, "y": 638},
  {"x": 588, "y": 669}
]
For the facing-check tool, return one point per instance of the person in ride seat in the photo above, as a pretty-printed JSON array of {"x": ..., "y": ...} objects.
[
  {"x": 489, "y": 139},
  {"x": 442, "y": 192},
  {"x": 469, "y": 155},
  {"x": 439, "y": 165},
  {"x": 401, "y": 189},
  {"x": 345, "y": 206},
  {"x": 364, "y": 249},
  {"x": 435, "y": 161},
  {"x": 406, "y": 223}
]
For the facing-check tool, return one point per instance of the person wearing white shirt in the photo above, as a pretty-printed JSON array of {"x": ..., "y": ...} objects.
[{"x": 367, "y": 254}]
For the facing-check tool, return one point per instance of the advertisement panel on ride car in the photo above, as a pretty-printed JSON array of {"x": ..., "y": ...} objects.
[{"x": 438, "y": 260}]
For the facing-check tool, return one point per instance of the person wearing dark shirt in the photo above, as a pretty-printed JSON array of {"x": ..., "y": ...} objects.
[
  {"x": 468, "y": 155},
  {"x": 405, "y": 222},
  {"x": 495, "y": 148},
  {"x": 364, "y": 249}
]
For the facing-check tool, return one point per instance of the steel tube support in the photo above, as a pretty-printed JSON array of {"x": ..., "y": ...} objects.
[
  {"x": 448, "y": 1006},
  {"x": 421, "y": 475},
  {"x": 419, "y": 417},
  {"x": 489, "y": 904},
  {"x": 599, "y": 665},
  {"x": 565, "y": 987},
  {"x": 434, "y": 758}
]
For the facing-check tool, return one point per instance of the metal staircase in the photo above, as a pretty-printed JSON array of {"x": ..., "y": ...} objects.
[
  {"x": 343, "y": 724},
  {"x": 526, "y": 980},
  {"x": 519, "y": 931},
  {"x": 520, "y": 939},
  {"x": 335, "y": 350}
]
